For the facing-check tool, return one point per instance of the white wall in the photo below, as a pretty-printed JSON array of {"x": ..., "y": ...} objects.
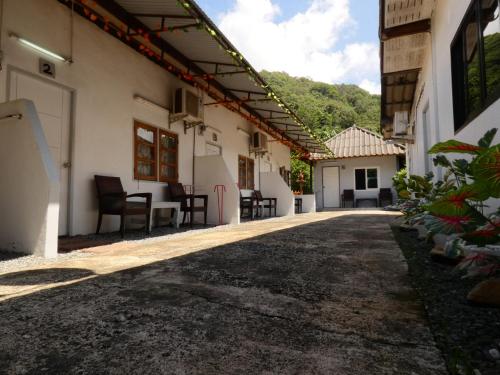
[
  {"x": 435, "y": 87},
  {"x": 272, "y": 185},
  {"x": 212, "y": 170},
  {"x": 29, "y": 189},
  {"x": 387, "y": 166},
  {"x": 105, "y": 76}
]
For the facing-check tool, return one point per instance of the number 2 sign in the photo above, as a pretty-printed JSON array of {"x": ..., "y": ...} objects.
[{"x": 47, "y": 68}]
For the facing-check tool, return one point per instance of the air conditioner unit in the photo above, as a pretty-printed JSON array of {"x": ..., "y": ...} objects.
[
  {"x": 258, "y": 142},
  {"x": 401, "y": 123},
  {"x": 188, "y": 105}
]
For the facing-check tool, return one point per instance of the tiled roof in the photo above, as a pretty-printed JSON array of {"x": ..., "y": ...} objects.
[{"x": 358, "y": 142}]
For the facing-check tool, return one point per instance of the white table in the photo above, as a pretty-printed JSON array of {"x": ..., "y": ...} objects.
[{"x": 176, "y": 206}]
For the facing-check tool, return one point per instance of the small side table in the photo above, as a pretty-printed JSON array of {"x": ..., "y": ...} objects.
[{"x": 176, "y": 206}]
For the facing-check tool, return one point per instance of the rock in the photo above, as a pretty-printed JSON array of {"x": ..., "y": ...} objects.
[
  {"x": 441, "y": 239},
  {"x": 486, "y": 292},
  {"x": 494, "y": 353},
  {"x": 422, "y": 231},
  {"x": 437, "y": 251}
]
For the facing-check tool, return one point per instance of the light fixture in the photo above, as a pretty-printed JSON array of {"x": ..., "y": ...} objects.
[
  {"x": 149, "y": 103},
  {"x": 38, "y": 48}
]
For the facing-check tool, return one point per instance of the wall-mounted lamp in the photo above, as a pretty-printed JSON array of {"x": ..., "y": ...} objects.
[
  {"x": 343, "y": 166},
  {"x": 149, "y": 103},
  {"x": 244, "y": 132},
  {"x": 39, "y": 49}
]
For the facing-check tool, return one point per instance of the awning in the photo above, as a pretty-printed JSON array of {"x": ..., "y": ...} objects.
[
  {"x": 179, "y": 36},
  {"x": 404, "y": 38}
]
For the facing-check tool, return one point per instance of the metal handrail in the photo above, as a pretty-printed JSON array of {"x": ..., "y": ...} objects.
[{"x": 17, "y": 116}]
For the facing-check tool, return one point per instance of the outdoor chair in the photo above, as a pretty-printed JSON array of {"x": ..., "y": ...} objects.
[
  {"x": 269, "y": 203},
  {"x": 348, "y": 196},
  {"x": 250, "y": 204},
  {"x": 298, "y": 205},
  {"x": 385, "y": 195},
  {"x": 176, "y": 193},
  {"x": 113, "y": 201}
]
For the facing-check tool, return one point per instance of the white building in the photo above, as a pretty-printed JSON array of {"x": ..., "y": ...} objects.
[
  {"x": 102, "y": 75},
  {"x": 363, "y": 162},
  {"x": 441, "y": 65}
]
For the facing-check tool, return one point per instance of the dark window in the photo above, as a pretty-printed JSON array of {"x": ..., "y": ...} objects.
[
  {"x": 145, "y": 155},
  {"x": 169, "y": 156},
  {"x": 475, "y": 54},
  {"x": 360, "y": 179},
  {"x": 246, "y": 168},
  {"x": 366, "y": 178}
]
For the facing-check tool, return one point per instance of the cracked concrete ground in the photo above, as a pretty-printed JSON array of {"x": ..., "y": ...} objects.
[{"x": 322, "y": 293}]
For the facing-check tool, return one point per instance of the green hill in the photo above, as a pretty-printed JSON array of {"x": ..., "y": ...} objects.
[{"x": 327, "y": 109}]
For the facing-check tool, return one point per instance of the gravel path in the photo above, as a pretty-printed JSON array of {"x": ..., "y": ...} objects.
[{"x": 325, "y": 297}]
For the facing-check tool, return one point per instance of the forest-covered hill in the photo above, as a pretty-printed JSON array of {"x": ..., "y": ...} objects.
[{"x": 326, "y": 108}]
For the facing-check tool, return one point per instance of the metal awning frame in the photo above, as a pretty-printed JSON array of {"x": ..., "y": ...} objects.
[{"x": 115, "y": 20}]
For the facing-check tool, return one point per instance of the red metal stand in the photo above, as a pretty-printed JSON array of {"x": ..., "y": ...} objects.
[{"x": 220, "y": 190}]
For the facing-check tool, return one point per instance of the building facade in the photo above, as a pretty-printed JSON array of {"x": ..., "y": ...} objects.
[
  {"x": 440, "y": 66},
  {"x": 102, "y": 77}
]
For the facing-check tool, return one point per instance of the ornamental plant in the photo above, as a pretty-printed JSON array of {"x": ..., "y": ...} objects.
[{"x": 461, "y": 210}]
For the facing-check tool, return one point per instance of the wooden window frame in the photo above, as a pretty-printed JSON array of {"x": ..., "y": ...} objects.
[
  {"x": 163, "y": 150},
  {"x": 462, "y": 115},
  {"x": 137, "y": 142},
  {"x": 249, "y": 173}
]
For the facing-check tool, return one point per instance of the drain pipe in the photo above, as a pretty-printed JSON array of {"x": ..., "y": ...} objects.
[{"x": 194, "y": 157}]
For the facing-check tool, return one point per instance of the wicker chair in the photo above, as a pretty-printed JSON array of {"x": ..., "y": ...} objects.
[
  {"x": 249, "y": 204},
  {"x": 113, "y": 201},
  {"x": 385, "y": 194},
  {"x": 176, "y": 193},
  {"x": 269, "y": 203},
  {"x": 348, "y": 196}
]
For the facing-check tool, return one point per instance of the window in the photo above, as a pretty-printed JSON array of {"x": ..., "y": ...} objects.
[
  {"x": 245, "y": 172},
  {"x": 168, "y": 156},
  {"x": 151, "y": 156},
  {"x": 366, "y": 178},
  {"x": 475, "y": 56},
  {"x": 145, "y": 144}
]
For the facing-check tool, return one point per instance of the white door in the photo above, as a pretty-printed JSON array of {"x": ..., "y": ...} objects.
[
  {"x": 331, "y": 187},
  {"x": 53, "y": 104}
]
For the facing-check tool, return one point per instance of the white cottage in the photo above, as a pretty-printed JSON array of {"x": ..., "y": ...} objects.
[
  {"x": 82, "y": 83},
  {"x": 363, "y": 163},
  {"x": 440, "y": 74}
]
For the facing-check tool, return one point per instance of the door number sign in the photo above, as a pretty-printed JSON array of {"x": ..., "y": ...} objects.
[{"x": 47, "y": 68}]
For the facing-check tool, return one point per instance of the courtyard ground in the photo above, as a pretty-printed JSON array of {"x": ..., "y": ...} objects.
[{"x": 323, "y": 293}]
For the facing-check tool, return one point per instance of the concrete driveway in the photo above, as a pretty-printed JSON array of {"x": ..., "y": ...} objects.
[{"x": 319, "y": 293}]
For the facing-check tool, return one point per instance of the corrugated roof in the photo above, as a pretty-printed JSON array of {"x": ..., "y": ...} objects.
[{"x": 358, "y": 142}]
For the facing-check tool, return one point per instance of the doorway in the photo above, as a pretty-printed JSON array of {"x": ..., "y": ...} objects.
[
  {"x": 53, "y": 105},
  {"x": 331, "y": 187}
]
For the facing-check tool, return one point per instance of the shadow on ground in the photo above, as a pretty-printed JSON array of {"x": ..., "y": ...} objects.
[
  {"x": 329, "y": 297},
  {"x": 44, "y": 276}
]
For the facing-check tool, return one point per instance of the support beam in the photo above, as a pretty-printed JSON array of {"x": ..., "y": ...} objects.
[
  {"x": 171, "y": 16},
  {"x": 417, "y": 27}
]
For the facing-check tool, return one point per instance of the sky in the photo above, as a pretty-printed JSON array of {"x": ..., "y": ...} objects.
[{"x": 332, "y": 41}]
